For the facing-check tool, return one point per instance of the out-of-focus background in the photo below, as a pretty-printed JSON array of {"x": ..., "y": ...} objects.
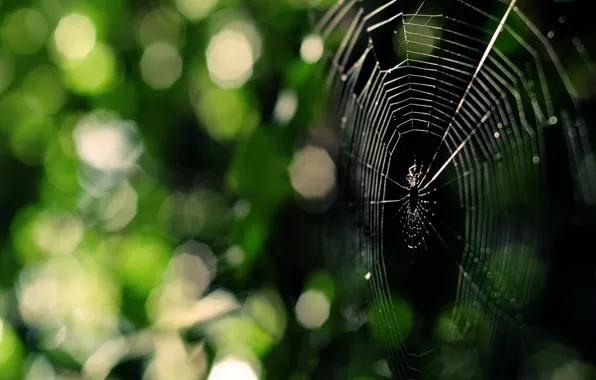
[
  {"x": 145, "y": 150},
  {"x": 163, "y": 173}
]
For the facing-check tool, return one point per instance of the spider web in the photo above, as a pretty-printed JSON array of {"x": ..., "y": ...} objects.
[{"x": 453, "y": 119}]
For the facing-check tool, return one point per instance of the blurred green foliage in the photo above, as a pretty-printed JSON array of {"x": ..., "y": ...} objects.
[{"x": 144, "y": 155}]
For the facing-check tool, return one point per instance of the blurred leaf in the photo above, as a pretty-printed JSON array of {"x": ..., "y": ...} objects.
[
  {"x": 259, "y": 170},
  {"x": 93, "y": 75},
  {"x": 267, "y": 309},
  {"x": 142, "y": 259},
  {"x": 251, "y": 234},
  {"x": 226, "y": 114},
  {"x": 240, "y": 333},
  {"x": 322, "y": 281},
  {"x": 11, "y": 352}
]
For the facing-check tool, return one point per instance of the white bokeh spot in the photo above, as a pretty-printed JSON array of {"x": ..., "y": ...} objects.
[
  {"x": 312, "y": 172},
  {"x": 286, "y": 106},
  {"x": 75, "y": 36},
  {"x": 230, "y": 59},
  {"x": 312, "y": 48},
  {"x": 232, "y": 368},
  {"x": 312, "y": 309}
]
